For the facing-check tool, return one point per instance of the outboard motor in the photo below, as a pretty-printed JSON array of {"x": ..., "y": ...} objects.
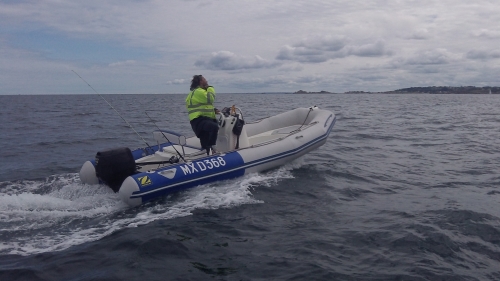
[{"x": 114, "y": 166}]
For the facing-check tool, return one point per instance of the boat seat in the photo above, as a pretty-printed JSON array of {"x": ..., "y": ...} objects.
[
  {"x": 261, "y": 139},
  {"x": 272, "y": 134},
  {"x": 186, "y": 150},
  {"x": 286, "y": 130}
]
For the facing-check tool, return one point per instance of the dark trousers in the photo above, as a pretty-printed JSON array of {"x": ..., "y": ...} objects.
[{"x": 206, "y": 130}]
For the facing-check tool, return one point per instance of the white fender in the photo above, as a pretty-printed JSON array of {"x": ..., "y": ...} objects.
[{"x": 87, "y": 174}]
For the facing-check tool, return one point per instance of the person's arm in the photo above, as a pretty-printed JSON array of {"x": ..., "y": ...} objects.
[{"x": 211, "y": 92}]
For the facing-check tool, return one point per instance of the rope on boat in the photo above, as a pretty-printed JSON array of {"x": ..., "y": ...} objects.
[{"x": 113, "y": 109}]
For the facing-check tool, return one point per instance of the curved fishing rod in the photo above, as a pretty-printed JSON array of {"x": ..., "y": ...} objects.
[
  {"x": 113, "y": 109},
  {"x": 178, "y": 153}
]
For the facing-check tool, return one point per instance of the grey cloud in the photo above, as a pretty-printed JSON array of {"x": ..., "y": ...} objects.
[
  {"x": 292, "y": 67},
  {"x": 322, "y": 50},
  {"x": 425, "y": 69},
  {"x": 266, "y": 82},
  {"x": 177, "y": 81},
  {"x": 482, "y": 54},
  {"x": 486, "y": 33},
  {"x": 376, "y": 49},
  {"x": 420, "y": 34},
  {"x": 430, "y": 57},
  {"x": 301, "y": 54},
  {"x": 326, "y": 43},
  {"x": 122, "y": 63},
  {"x": 309, "y": 79},
  {"x": 315, "y": 50},
  {"x": 225, "y": 60},
  {"x": 372, "y": 77}
]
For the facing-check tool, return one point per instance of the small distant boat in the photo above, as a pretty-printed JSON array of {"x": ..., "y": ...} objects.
[{"x": 176, "y": 162}]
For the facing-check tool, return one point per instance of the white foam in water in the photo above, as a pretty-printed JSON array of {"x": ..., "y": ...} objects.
[{"x": 37, "y": 217}]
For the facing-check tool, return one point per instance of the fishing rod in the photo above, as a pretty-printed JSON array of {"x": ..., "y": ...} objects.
[
  {"x": 113, "y": 109},
  {"x": 180, "y": 155}
]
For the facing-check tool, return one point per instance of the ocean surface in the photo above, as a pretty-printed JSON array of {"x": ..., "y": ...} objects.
[{"x": 407, "y": 187}]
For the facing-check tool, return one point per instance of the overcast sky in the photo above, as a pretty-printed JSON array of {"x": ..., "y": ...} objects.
[{"x": 150, "y": 46}]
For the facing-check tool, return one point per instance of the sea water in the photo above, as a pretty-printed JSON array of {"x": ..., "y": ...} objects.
[{"x": 405, "y": 188}]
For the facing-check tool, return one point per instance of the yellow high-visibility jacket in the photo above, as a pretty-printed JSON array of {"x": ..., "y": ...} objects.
[{"x": 200, "y": 102}]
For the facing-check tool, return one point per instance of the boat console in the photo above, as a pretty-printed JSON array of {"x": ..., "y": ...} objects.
[{"x": 232, "y": 132}]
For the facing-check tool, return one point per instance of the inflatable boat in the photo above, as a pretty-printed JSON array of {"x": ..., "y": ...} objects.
[{"x": 176, "y": 162}]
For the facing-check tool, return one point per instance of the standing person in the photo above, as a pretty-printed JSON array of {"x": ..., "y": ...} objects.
[{"x": 200, "y": 107}]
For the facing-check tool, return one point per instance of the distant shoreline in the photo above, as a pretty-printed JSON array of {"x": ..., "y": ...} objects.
[{"x": 423, "y": 90}]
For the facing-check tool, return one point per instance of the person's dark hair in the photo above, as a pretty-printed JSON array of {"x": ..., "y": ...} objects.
[{"x": 195, "y": 83}]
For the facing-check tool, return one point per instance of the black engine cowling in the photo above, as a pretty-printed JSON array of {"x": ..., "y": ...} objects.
[{"x": 114, "y": 166}]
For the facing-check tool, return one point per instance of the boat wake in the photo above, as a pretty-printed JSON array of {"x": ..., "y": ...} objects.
[{"x": 59, "y": 212}]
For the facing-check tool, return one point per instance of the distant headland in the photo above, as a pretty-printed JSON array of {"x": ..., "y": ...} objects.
[
  {"x": 424, "y": 90},
  {"x": 304, "y": 92}
]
